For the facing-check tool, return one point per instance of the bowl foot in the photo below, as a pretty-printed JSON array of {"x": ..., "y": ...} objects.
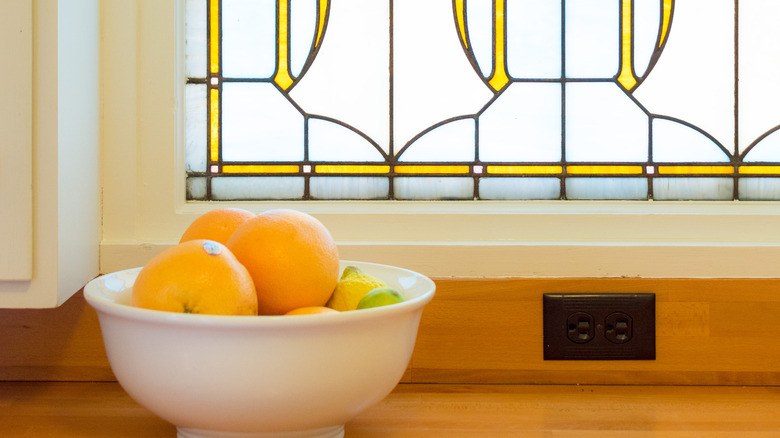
[{"x": 325, "y": 432}]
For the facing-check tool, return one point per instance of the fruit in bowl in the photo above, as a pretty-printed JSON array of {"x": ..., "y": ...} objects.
[
  {"x": 300, "y": 374},
  {"x": 290, "y": 256},
  {"x": 287, "y": 257},
  {"x": 381, "y": 296},
  {"x": 353, "y": 285},
  {"x": 197, "y": 276},
  {"x": 257, "y": 376}
]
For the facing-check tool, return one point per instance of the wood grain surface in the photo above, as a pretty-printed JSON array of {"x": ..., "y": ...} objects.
[
  {"x": 488, "y": 331},
  {"x": 92, "y": 410},
  {"x": 708, "y": 332}
]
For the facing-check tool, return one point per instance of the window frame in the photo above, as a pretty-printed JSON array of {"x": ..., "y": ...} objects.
[{"x": 144, "y": 206}]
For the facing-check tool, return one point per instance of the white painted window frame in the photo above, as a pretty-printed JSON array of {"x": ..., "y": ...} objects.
[{"x": 144, "y": 207}]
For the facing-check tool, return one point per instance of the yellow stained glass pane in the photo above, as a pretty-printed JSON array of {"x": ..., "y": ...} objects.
[
  {"x": 321, "y": 22},
  {"x": 666, "y": 21},
  {"x": 626, "y": 76},
  {"x": 283, "y": 78},
  {"x": 260, "y": 168},
  {"x": 537, "y": 170},
  {"x": 214, "y": 36},
  {"x": 351, "y": 168},
  {"x": 695, "y": 170},
  {"x": 214, "y": 128},
  {"x": 500, "y": 77},
  {"x": 759, "y": 170},
  {"x": 461, "y": 22},
  {"x": 605, "y": 170},
  {"x": 420, "y": 169}
]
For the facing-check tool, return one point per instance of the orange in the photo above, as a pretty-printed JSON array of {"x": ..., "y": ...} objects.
[
  {"x": 197, "y": 276},
  {"x": 311, "y": 310},
  {"x": 292, "y": 258},
  {"x": 216, "y": 225}
]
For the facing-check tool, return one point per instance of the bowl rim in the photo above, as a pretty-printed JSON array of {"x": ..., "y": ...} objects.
[{"x": 110, "y": 307}]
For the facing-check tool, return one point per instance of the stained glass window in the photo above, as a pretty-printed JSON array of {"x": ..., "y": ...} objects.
[{"x": 482, "y": 99}]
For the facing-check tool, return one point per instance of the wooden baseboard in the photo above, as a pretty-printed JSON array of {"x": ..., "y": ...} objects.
[{"x": 709, "y": 332}]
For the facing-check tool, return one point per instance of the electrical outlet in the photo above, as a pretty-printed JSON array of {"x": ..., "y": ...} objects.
[{"x": 599, "y": 326}]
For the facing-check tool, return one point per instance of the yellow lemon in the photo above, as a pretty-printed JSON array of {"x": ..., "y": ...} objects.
[{"x": 352, "y": 286}]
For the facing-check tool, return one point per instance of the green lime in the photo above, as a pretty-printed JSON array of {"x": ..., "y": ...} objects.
[{"x": 380, "y": 296}]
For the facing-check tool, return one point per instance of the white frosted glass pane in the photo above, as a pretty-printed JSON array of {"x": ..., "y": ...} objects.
[
  {"x": 592, "y": 37},
  {"x": 259, "y": 124},
  {"x": 533, "y": 38},
  {"x": 673, "y": 141},
  {"x": 248, "y": 38},
  {"x": 453, "y": 141},
  {"x": 759, "y": 64},
  {"x": 523, "y": 124},
  {"x": 239, "y": 188},
  {"x": 759, "y": 189},
  {"x": 195, "y": 127},
  {"x": 433, "y": 188},
  {"x": 195, "y": 38},
  {"x": 196, "y": 188},
  {"x": 349, "y": 78},
  {"x": 329, "y": 141},
  {"x": 519, "y": 188},
  {"x": 432, "y": 79},
  {"x": 694, "y": 77},
  {"x": 303, "y": 27},
  {"x": 606, "y": 188},
  {"x": 604, "y": 124},
  {"x": 349, "y": 188},
  {"x": 647, "y": 22},
  {"x": 768, "y": 149},
  {"x": 479, "y": 20},
  {"x": 690, "y": 189}
]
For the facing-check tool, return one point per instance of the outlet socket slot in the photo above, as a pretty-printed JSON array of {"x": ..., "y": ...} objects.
[
  {"x": 618, "y": 328},
  {"x": 581, "y": 327}
]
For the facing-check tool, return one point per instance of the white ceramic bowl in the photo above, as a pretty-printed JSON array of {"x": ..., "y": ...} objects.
[{"x": 259, "y": 376}]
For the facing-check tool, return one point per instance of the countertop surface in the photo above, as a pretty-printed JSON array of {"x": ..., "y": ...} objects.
[{"x": 86, "y": 410}]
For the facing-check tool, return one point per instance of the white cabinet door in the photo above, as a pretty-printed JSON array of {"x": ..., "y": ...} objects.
[
  {"x": 16, "y": 141},
  {"x": 49, "y": 167}
]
